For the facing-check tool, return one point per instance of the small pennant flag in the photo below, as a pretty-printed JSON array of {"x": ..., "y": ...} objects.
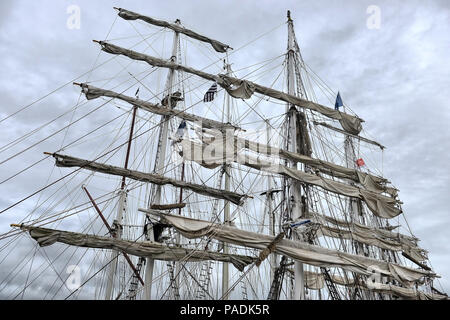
[
  {"x": 137, "y": 93},
  {"x": 338, "y": 102},
  {"x": 360, "y": 162},
  {"x": 209, "y": 96},
  {"x": 181, "y": 130}
]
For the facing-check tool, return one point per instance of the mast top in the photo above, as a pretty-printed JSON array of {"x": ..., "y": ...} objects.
[{"x": 289, "y": 16}]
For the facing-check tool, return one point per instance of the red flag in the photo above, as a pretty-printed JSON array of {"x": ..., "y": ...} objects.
[{"x": 360, "y": 162}]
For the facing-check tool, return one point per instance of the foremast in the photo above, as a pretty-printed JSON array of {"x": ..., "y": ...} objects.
[
  {"x": 226, "y": 209},
  {"x": 120, "y": 212},
  {"x": 160, "y": 162}
]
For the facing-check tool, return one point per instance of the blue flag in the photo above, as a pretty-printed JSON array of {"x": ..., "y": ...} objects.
[
  {"x": 338, "y": 102},
  {"x": 181, "y": 130}
]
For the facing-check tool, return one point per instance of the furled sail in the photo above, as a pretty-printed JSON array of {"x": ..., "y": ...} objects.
[
  {"x": 129, "y": 15},
  {"x": 301, "y": 251},
  {"x": 379, "y": 237},
  {"x": 382, "y": 232},
  {"x": 349, "y": 123},
  {"x": 379, "y": 205},
  {"x": 316, "y": 281},
  {"x": 369, "y": 181},
  {"x": 92, "y": 92},
  {"x": 371, "y": 236},
  {"x": 67, "y": 161},
  {"x": 323, "y": 124},
  {"x": 407, "y": 293},
  {"x": 155, "y": 250}
]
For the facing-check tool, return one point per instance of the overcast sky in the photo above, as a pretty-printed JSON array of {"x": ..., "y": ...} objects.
[{"x": 395, "y": 77}]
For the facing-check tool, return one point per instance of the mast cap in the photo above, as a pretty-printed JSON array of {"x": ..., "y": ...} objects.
[{"x": 289, "y": 15}]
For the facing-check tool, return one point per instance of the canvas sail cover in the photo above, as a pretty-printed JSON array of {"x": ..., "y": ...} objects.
[
  {"x": 129, "y": 15},
  {"x": 239, "y": 89},
  {"x": 300, "y": 251},
  {"x": 216, "y": 154},
  {"x": 242, "y": 88},
  {"x": 145, "y": 249}
]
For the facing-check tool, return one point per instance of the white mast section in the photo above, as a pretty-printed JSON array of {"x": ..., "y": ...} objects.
[
  {"x": 114, "y": 253},
  {"x": 117, "y": 224},
  {"x": 160, "y": 162},
  {"x": 269, "y": 208},
  {"x": 295, "y": 196},
  {"x": 226, "y": 168}
]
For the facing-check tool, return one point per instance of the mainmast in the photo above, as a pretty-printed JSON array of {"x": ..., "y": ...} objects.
[
  {"x": 295, "y": 189},
  {"x": 226, "y": 169},
  {"x": 161, "y": 160}
]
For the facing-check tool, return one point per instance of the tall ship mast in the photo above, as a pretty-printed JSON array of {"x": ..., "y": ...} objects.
[{"x": 214, "y": 183}]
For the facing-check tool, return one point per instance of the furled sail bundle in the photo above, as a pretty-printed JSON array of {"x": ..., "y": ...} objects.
[
  {"x": 349, "y": 123},
  {"x": 371, "y": 237},
  {"x": 223, "y": 145},
  {"x": 67, "y": 161},
  {"x": 129, "y": 15},
  {"x": 92, "y": 92},
  {"x": 316, "y": 281},
  {"x": 306, "y": 253},
  {"x": 47, "y": 237},
  {"x": 378, "y": 237},
  {"x": 369, "y": 181},
  {"x": 379, "y": 205}
]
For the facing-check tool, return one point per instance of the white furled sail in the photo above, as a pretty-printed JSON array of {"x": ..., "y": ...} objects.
[
  {"x": 349, "y": 123},
  {"x": 129, "y": 15},
  {"x": 92, "y": 92},
  {"x": 67, "y": 161},
  {"x": 382, "y": 206},
  {"x": 46, "y": 237},
  {"x": 316, "y": 281},
  {"x": 310, "y": 254}
]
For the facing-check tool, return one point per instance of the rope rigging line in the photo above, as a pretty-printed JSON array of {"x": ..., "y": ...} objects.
[
  {"x": 64, "y": 85},
  {"x": 76, "y": 170},
  {"x": 63, "y": 217}
]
